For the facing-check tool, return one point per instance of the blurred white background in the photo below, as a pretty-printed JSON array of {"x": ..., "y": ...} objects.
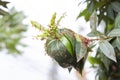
[{"x": 34, "y": 64}]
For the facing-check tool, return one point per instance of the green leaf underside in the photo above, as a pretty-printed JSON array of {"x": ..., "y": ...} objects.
[
  {"x": 80, "y": 48},
  {"x": 116, "y": 6},
  {"x": 107, "y": 50},
  {"x": 118, "y": 42},
  {"x": 114, "y": 32},
  {"x": 110, "y": 12},
  {"x": 91, "y": 7},
  {"x": 67, "y": 44},
  {"x": 105, "y": 60},
  {"x": 93, "y": 21},
  {"x": 91, "y": 34},
  {"x": 95, "y": 34},
  {"x": 117, "y": 21}
]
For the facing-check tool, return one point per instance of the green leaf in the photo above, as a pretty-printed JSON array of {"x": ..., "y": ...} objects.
[
  {"x": 2, "y": 12},
  {"x": 105, "y": 60},
  {"x": 4, "y": 3},
  {"x": 102, "y": 75},
  {"x": 107, "y": 49},
  {"x": 93, "y": 21},
  {"x": 94, "y": 60},
  {"x": 116, "y": 6},
  {"x": 91, "y": 6},
  {"x": 80, "y": 65},
  {"x": 84, "y": 13},
  {"x": 114, "y": 32},
  {"x": 69, "y": 69},
  {"x": 117, "y": 21},
  {"x": 67, "y": 44},
  {"x": 95, "y": 34},
  {"x": 91, "y": 34},
  {"x": 80, "y": 48},
  {"x": 109, "y": 27},
  {"x": 118, "y": 42},
  {"x": 110, "y": 12}
]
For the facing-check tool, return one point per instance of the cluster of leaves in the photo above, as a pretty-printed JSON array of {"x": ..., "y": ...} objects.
[
  {"x": 108, "y": 52},
  {"x": 4, "y": 5},
  {"x": 11, "y": 31},
  {"x": 107, "y": 10},
  {"x": 107, "y": 56},
  {"x": 65, "y": 46}
]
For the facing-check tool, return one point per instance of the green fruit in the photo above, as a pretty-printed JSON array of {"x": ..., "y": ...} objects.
[{"x": 61, "y": 48}]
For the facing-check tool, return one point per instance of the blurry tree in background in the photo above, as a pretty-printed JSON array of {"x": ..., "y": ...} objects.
[
  {"x": 11, "y": 29},
  {"x": 99, "y": 12}
]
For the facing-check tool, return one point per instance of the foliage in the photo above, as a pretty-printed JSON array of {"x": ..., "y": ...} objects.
[
  {"x": 4, "y": 5},
  {"x": 11, "y": 31},
  {"x": 107, "y": 56},
  {"x": 71, "y": 49},
  {"x": 65, "y": 46}
]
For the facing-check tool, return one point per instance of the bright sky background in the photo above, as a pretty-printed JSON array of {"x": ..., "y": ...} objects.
[{"x": 34, "y": 64}]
